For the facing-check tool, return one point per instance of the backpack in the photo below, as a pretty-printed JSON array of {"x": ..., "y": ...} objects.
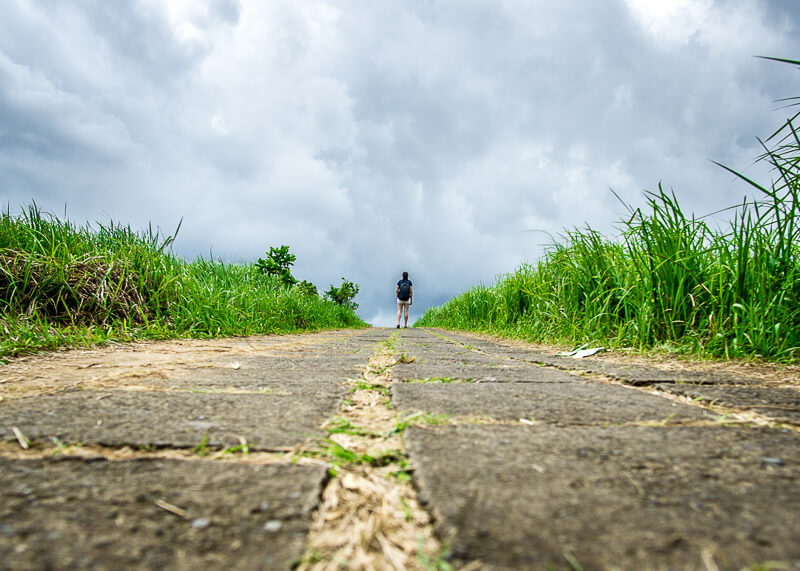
[{"x": 405, "y": 290}]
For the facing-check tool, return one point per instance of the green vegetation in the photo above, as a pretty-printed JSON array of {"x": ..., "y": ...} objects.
[
  {"x": 418, "y": 418},
  {"x": 344, "y": 294},
  {"x": 365, "y": 386},
  {"x": 670, "y": 280},
  {"x": 341, "y": 425},
  {"x": 338, "y": 455},
  {"x": 63, "y": 285},
  {"x": 279, "y": 263}
]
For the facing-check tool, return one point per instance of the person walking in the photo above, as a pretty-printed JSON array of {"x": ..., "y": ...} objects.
[{"x": 405, "y": 297}]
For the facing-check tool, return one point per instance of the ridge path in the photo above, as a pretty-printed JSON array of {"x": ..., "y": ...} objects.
[{"x": 386, "y": 449}]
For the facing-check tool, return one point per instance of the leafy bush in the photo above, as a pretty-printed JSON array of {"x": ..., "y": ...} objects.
[
  {"x": 344, "y": 294},
  {"x": 307, "y": 288},
  {"x": 278, "y": 263}
]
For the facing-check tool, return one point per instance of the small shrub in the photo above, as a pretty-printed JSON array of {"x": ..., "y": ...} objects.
[
  {"x": 278, "y": 263},
  {"x": 344, "y": 294},
  {"x": 307, "y": 288}
]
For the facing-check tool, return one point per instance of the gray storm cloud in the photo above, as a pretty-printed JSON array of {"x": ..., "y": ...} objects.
[{"x": 380, "y": 137}]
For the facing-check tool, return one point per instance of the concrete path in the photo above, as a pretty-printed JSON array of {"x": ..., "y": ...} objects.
[{"x": 177, "y": 454}]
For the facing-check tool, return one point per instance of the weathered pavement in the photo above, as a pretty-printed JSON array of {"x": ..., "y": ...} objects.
[{"x": 524, "y": 460}]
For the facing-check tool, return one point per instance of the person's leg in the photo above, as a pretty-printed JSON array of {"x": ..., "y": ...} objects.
[
  {"x": 399, "y": 311},
  {"x": 407, "y": 305}
]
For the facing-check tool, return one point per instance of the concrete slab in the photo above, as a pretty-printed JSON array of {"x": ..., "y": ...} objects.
[
  {"x": 77, "y": 514},
  {"x": 640, "y": 376},
  {"x": 557, "y": 403},
  {"x": 614, "y": 498},
  {"x": 258, "y": 372},
  {"x": 178, "y": 419},
  {"x": 631, "y": 374},
  {"x": 409, "y": 333},
  {"x": 507, "y": 373},
  {"x": 780, "y": 403},
  {"x": 268, "y": 375}
]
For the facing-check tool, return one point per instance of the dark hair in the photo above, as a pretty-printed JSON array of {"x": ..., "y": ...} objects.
[{"x": 405, "y": 275}]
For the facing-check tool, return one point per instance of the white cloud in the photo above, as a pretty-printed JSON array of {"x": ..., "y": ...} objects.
[{"x": 382, "y": 137}]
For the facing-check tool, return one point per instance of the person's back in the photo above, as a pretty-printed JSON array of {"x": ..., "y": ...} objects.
[{"x": 404, "y": 291}]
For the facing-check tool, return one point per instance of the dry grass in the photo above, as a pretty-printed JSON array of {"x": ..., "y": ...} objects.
[
  {"x": 130, "y": 366},
  {"x": 87, "y": 290},
  {"x": 40, "y": 450},
  {"x": 369, "y": 518}
]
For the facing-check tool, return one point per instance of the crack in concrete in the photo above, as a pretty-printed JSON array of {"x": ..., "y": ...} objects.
[{"x": 369, "y": 515}]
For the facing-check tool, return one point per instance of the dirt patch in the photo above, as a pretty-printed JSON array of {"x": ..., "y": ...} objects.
[{"x": 151, "y": 364}]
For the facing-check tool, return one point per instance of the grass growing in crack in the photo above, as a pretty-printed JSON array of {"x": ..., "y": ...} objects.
[
  {"x": 403, "y": 358},
  {"x": 202, "y": 448},
  {"x": 365, "y": 386},
  {"x": 402, "y": 476},
  {"x": 662, "y": 422},
  {"x": 574, "y": 564},
  {"x": 64, "y": 285},
  {"x": 243, "y": 448},
  {"x": 338, "y": 455},
  {"x": 436, "y": 562},
  {"x": 60, "y": 446},
  {"x": 369, "y": 515},
  {"x": 418, "y": 419},
  {"x": 670, "y": 279},
  {"x": 343, "y": 426},
  {"x": 390, "y": 342}
]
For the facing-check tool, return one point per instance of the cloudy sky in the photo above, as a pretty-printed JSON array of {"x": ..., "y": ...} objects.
[{"x": 437, "y": 137}]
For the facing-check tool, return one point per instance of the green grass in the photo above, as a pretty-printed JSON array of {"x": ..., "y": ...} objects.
[
  {"x": 365, "y": 386},
  {"x": 438, "y": 380},
  {"x": 417, "y": 419},
  {"x": 339, "y": 455},
  {"x": 64, "y": 285},
  {"x": 669, "y": 280},
  {"x": 341, "y": 425}
]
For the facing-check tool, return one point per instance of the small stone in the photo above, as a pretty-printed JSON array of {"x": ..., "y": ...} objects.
[
  {"x": 272, "y": 526},
  {"x": 200, "y": 523},
  {"x": 264, "y": 506},
  {"x": 770, "y": 460}
]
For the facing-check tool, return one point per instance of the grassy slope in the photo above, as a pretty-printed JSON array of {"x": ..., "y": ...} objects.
[
  {"x": 670, "y": 280},
  {"x": 64, "y": 285}
]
